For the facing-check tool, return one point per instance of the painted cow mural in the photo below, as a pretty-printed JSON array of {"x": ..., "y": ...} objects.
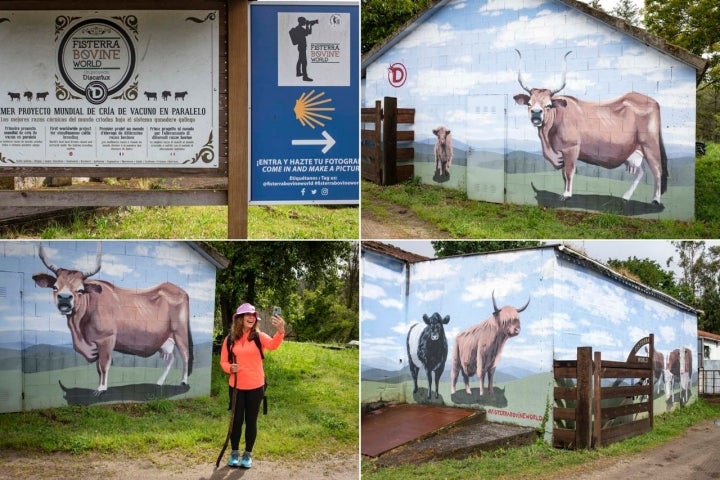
[
  {"x": 443, "y": 153},
  {"x": 478, "y": 349},
  {"x": 103, "y": 318},
  {"x": 427, "y": 348},
  {"x": 626, "y": 130},
  {"x": 678, "y": 368},
  {"x": 658, "y": 370}
]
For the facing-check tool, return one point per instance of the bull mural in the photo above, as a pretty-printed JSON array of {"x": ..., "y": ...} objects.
[
  {"x": 626, "y": 130},
  {"x": 478, "y": 349},
  {"x": 103, "y": 318},
  {"x": 427, "y": 347}
]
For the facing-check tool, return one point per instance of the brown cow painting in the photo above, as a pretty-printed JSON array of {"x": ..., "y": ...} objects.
[
  {"x": 678, "y": 367},
  {"x": 478, "y": 349},
  {"x": 103, "y": 318},
  {"x": 626, "y": 130}
]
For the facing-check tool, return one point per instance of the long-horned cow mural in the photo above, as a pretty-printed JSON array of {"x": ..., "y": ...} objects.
[
  {"x": 478, "y": 349},
  {"x": 626, "y": 130},
  {"x": 103, "y": 318},
  {"x": 427, "y": 347}
]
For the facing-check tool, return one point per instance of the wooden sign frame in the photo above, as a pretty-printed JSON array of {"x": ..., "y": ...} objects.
[{"x": 231, "y": 138}]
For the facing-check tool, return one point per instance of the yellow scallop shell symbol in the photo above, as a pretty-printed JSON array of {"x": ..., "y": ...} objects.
[{"x": 309, "y": 106}]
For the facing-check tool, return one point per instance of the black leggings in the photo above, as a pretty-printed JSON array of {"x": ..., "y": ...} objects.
[{"x": 247, "y": 409}]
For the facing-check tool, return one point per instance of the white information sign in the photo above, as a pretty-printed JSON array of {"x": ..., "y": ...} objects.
[{"x": 109, "y": 88}]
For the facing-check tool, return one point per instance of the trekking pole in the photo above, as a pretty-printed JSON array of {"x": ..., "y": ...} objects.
[{"x": 232, "y": 418}]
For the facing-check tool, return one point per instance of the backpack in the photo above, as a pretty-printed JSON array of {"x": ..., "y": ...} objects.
[{"x": 231, "y": 356}]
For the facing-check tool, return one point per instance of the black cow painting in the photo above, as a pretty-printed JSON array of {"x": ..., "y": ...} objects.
[{"x": 427, "y": 348}]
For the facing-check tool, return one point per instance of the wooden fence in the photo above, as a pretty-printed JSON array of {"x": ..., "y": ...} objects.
[
  {"x": 591, "y": 410},
  {"x": 384, "y": 146}
]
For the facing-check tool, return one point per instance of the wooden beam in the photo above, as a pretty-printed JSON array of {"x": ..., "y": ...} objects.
[
  {"x": 238, "y": 101},
  {"x": 111, "y": 198}
]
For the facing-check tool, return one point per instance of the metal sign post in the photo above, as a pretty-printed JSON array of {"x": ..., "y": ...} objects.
[{"x": 304, "y": 102}]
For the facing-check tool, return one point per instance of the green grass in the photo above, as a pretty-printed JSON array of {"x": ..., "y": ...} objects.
[
  {"x": 540, "y": 460},
  {"x": 264, "y": 222},
  {"x": 452, "y": 212},
  {"x": 312, "y": 413}
]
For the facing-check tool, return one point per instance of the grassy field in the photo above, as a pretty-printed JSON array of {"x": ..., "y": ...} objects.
[
  {"x": 312, "y": 413},
  {"x": 452, "y": 212},
  {"x": 540, "y": 460},
  {"x": 264, "y": 222}
]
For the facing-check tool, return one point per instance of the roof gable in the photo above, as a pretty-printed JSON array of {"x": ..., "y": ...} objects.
[{"x": 699, "y": 64}]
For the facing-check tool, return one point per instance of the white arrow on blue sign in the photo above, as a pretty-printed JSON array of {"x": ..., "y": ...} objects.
[{"x": 328, "y": 142}]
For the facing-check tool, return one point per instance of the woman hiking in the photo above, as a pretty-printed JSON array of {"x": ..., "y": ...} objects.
[{"x": 242, "y": 359}]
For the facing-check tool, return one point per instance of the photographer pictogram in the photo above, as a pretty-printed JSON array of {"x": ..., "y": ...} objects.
[{"x": 298, "y": 36}]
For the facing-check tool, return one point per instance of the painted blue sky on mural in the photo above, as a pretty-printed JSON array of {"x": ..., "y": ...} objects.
[
  {"x": 466, "y": 51},
  {"x": 570, "y": 306}
]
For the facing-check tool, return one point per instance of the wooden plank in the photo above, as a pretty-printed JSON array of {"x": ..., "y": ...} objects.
[
  {"x": 368, "y": 135},
  {"x": 626, "y": 430},
  {"x": 608, "y": 413},
  {"x": 565, "y": 393},
  {"x": 406, "y": 136},
  {"x": 113, "y": 198},
  {"x": 405, "y": 172},
  {"x": 620, "y": 392},
  {"x": 405, "y": 153},
  {"x": 565, "y": 372},
  {"x": 561, "y": 413},
  {"x": 368, "y": 151},
  {"x": 406, "y": 115},
  {"x": 625, "y": 372},
  {"x": 563, "y": 438}
]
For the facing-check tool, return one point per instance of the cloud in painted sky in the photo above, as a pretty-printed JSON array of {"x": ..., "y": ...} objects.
[
  {"x": 504, "y": 287},
  {"x": 372, "y": 290}
]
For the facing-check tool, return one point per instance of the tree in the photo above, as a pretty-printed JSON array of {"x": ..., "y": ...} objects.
[
  {"x": 381, "y": 18},
  {"x": 692, "y": 25},
  {"x": 648, "y": 272},
  {"x": 596, "y": 5},
  {"x": 280, "y": 273},
  {"x": 627, "y": 10},
  {"x": 700, "y": 281},
  {"x": 446, "y": 248}
]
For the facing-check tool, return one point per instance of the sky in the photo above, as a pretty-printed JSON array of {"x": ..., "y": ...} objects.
[{"x": 600, "y": 250}]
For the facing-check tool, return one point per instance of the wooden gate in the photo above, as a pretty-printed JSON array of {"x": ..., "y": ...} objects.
[
  {"x": 384, "y": 146},
  {"x": 599, "y": 402}
]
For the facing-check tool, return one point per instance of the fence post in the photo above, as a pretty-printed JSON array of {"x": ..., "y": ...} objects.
[
  {"x": 583, "y": 405},
  {"x": 651, "y": 366},
  {"x": 597, "y": 401},
  {"x": 389, "y": 141}
]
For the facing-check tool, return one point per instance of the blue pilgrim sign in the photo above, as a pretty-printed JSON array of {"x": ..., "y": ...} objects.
[{"x": 304, "y": 102}]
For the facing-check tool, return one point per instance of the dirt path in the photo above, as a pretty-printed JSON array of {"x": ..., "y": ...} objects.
[
  {"x": 399, "y": 222},
  {"x": 110, "y": 467},
  {"x": 693, "y": 455}
]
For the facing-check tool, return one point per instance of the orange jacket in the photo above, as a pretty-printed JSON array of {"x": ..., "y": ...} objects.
[{"x": 250, "y": 374}]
